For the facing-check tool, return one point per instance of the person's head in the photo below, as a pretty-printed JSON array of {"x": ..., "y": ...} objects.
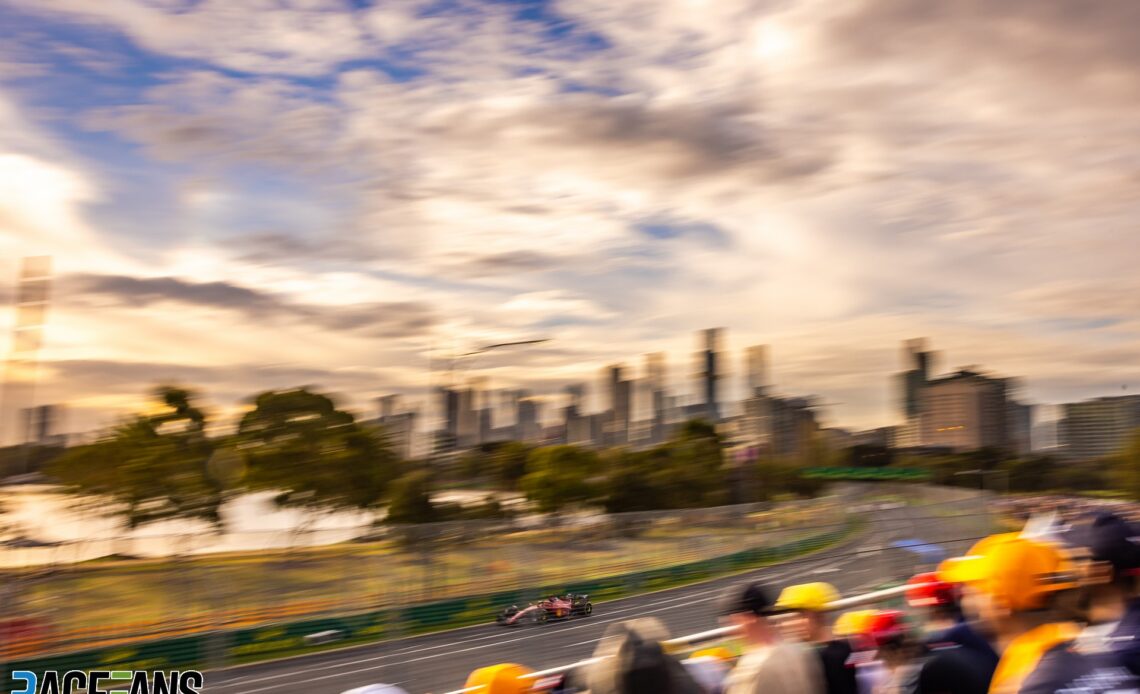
[
  {"x": 934, "y": 599},
  {"x": 806, "y": 606},
  {"x": 1113, "y": 563},
  {"x": 748, "y": 607},
  {"x": 855, "y": 626},
  {"x": 1010, "y": 582},
  {"x": 632, "y": 660},
  {"x": 890, "y": 634}
]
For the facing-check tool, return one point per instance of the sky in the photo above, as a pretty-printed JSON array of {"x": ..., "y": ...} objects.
[{"x": 241, "y": 195}]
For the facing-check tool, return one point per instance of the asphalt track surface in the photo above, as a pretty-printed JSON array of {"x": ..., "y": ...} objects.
[{"x": 440, "y": 662}]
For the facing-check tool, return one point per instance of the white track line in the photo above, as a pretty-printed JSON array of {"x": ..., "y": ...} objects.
[{"x": 666, "y": 604}]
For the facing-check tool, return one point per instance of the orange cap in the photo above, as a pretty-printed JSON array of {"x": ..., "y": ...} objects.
[{"x": 1017, "y": 570}]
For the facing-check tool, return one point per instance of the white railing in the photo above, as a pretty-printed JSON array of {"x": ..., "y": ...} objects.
[{"x": 682, "y": 642}]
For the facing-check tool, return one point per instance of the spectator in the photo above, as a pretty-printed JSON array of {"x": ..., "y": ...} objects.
[
  {"x": 912, "y": 668},
  {"x": 935, "y": 602},
  {"x": 855, "y": 627},
  {"x": 633, "y": 661},
  {"x": 807, "y": 606},
  {"x": 1017, "y": 587},
  {"x": 768, "y": 666},
  {"x": 710, "y": 668},
  {"x": 1112, "y": 542},
  {"x": 1096, "y": 659}
]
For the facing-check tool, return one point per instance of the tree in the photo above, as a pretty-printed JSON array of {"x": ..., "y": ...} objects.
[
  {"x": 630, "y": 483},
  {"x": 509, "y": 462},
  {"x": 688, "y": 471},
  {"x": 1035, "y": 473},
  {"x": 150, "y": 467},
  {"x": 1126, "y": 466},
  {"x": 559, "y": 476},
  {"x": 411, "y": 499},
  {"x": 691, "y": 468},
  {"x": 297, "y": 443}
]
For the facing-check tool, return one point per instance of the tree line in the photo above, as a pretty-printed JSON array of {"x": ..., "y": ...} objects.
[
  {"x": 312, "y": 454},
  {"x": 299, "y": 444}
]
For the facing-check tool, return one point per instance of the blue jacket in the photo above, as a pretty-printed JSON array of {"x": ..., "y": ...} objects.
[
  {"x": 1126, "y": 638},
  {"x": 1065, "y": 669},
  {"x": 961, "y": 634}
]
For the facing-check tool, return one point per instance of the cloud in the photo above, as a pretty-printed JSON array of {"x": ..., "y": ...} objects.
[
  {"x": 827, "y": 177},
  {"x": 291, "y": 37},
  {"x": 391, "y": 319},
  {"x": 508, "y": 263}
]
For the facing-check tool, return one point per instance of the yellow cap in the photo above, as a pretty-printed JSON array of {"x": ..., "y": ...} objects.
[
  {"x": 718, "y": 652},
  {"x": 499, "y": 679},
  {"x": 852, "y": 623},
  {"x": 1016, "y": 570},
  {"x": 813, "y": 597}
]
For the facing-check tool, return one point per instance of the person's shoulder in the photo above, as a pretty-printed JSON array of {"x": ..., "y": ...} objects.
[
  {"x": 1063, "y": 668},
  {"x": 954, "y": 669}
]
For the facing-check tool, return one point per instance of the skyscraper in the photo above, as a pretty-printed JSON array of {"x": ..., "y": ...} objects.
[
  {"x": 387, "y": 405},
  {"x": 467, "y": 430},
  {"x": 916, "y": 360},
  {"x": 1098, "y": 428},
  {"x": 528, "y": 418},
  {"x": 756, "y": 368},
  {"x": 1019, "y": 428},
  {"x": 450, "y": 406},
  {"x": 655, "y": 382},
  {"x": 965, "y": 411},
  {"x": 621, "y": 396},
  {"x": 708, "y": 361},
  {"x": 577, "y": 423}
]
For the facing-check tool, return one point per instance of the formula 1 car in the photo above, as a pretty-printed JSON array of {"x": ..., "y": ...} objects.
[{"x": 554, "y": 607}]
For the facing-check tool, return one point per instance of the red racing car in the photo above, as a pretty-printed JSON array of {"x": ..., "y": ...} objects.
[{"x": 554, "y": 607}]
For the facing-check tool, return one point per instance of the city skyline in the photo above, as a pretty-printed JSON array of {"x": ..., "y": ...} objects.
[{"x": 234, "y": 208}]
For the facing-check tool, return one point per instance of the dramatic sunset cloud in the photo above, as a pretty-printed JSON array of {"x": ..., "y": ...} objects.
[{"x": 247, "y": 194}]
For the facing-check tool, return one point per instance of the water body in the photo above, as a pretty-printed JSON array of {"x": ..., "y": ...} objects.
[{"x": 77, "y": 531}]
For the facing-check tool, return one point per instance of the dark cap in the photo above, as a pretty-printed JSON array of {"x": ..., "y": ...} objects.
[
  {"x": 1110, "y": 538},
  {"x": 751, "y": 598}
]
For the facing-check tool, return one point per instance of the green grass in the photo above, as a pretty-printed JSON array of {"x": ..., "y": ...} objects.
[
  {"x": 627, "y": 591},
  {"x": 112, "y": 595}
]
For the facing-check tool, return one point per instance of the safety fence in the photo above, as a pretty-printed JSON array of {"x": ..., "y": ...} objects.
[
  {"x": 222, "y": 647},
  {"x": 511, "y": 678},
  {"x": 114, "y": 603}
]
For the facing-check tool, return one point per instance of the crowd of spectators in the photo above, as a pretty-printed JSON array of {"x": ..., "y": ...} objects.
[{"x": 1051, "y": 609}]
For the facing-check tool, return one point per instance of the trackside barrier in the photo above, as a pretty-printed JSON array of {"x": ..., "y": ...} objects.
[
  {"x": 532, "y": 681},
  {"x": 228, "y": 646}
]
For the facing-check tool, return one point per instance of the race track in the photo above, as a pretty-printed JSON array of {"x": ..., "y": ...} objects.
[{"x": 436, "y": 663}]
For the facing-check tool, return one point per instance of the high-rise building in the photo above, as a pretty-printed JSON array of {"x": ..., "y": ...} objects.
[
  {"x": 398, "y": 426},
  {"x": 1098, "y": 428},
  {"x": 756, "y": 368},
  {"x": 576, "y": 422},
  {"x": 707, "y": 359},
  {"x": 917, "y": 362},
  {"x": 782, "y": 427},
  {"x": 620, "y": 410},
  {"x": 42, "y": 425},
  {"x": 528, "y": 418},
  {"x": 1019, "y": 428},
  {"x": 388, "y": 405},
  {"x": 450, "y": 404},
  {"x": 467, "y": 432},
  {"x": 655, "y": 383},
  {"x": 964, "y": 411}
]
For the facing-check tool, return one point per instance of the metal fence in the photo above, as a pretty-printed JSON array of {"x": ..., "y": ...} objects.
[
  {"x": 544, "y": 680},
  {"x": 216, "y": 610},
  {"x": 57, "y": 604}
]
